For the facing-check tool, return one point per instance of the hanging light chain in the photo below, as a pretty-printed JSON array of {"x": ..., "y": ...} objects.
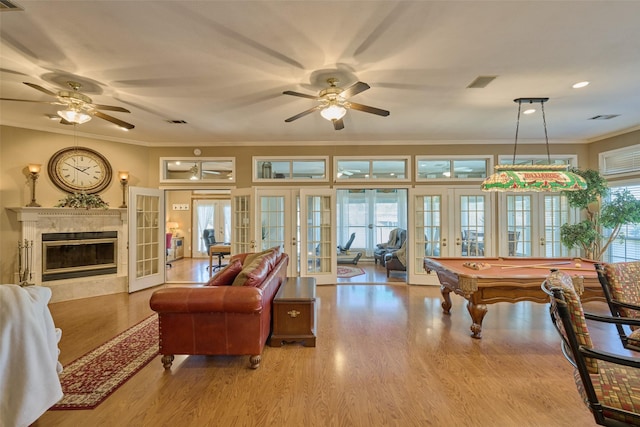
[{"x": 546, "y": 136}]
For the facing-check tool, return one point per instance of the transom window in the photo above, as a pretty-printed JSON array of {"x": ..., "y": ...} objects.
[
  {"x": 195, "y": 169},
  {"x": 385, "y": 168},
  {"x": 290, "y": 169},
  {"x": 460, "y": 168}
]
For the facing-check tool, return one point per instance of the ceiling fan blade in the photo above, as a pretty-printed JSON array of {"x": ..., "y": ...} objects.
[
  {"x": 354, "y": 89},
  {"x": 65, "y": 122},
  {"x": 367, "y": 109},
  {"x": 113, "y": 120},
  {"x": 338, "y": 124},
  {"x": 304, "y": 113},
  {"x": 40, "y": 88},
  {"x": 111, "y": 108},
  {"x": 28, "y": 100},
  {"x": 302, "y": 95}
]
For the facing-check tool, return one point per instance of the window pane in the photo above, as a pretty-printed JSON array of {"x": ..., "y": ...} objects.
[
  {"x": 432, "y": 169},
  {"x": 388, "y": 169},
  {"x": 470, "y": 168},
  {"x": 313, "y": 169},
  {"x": 352, "y": 169},
  {"x": 281, "y": 170}
]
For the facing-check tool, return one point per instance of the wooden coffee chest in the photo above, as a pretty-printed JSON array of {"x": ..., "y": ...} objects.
[{"x": 294, "y": 312}]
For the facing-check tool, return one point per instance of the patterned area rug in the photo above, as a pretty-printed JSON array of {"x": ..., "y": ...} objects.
[
  {"x": 87, "y": 381},
  {"x": 346, "y": 271}
]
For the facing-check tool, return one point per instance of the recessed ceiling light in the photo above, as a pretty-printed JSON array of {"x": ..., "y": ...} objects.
[
  {"x": 580, "y": 84},
  {"x": 529, "y": 111}
]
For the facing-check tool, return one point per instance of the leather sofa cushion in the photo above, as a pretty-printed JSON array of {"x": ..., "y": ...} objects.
[
  {"x": 227, "y": 275},
  {"x": 254, "y": 272}
]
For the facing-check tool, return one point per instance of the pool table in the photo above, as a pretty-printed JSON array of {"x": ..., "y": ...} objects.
[{"x": 485, "y": 280}]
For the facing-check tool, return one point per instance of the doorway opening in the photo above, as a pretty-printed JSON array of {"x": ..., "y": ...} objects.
[{"x": 373, "y": 215}]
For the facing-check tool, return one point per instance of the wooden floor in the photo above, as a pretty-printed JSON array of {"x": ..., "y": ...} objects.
[{"x": 385, "y": 356}]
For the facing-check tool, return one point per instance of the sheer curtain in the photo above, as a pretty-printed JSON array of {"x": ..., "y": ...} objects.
[{"x": 204, "y": 217}]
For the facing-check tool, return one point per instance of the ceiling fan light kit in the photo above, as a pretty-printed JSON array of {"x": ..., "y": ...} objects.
[
  {"x": 77, "y": 108},
  {"x": 536, "y": 178},
  {"x": 74, "y": 116},
  {"x": 333, "y": 103}
]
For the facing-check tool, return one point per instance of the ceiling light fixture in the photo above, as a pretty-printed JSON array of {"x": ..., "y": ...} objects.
[
  {"x": 580, "y": 85},
  {"x": 333, "y": 111},
  {"x": 538, "y": 178},
  {"x": 74, "y": 115}
]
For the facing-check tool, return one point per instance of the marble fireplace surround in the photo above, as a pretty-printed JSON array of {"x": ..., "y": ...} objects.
[{"x": 38, "y": 221}]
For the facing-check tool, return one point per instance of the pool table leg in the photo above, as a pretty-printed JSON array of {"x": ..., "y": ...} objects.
[
  {"x": 446, "y": 299},
  {"x": 477, "y": 312}
]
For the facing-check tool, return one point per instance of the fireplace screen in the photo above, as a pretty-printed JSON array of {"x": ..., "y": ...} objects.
[{"x": 69, "y": 255}]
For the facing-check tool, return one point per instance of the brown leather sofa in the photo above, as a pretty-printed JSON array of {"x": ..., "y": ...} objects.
[{"x": 221, "y": 318}]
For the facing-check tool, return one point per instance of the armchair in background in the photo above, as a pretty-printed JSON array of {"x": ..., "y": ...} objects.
[
  {"x": 397, "y": 236},
  {"x": 396, "y": 260}
]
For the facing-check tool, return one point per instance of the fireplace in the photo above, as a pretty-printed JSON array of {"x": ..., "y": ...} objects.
[
  {"x": 101, "y": 266},
  {"x": 79, "y": 254}
]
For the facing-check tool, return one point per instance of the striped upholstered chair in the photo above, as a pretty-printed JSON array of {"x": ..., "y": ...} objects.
[
  {"x": 621, "y": 286},
  {"x": 609, "y": 384}
]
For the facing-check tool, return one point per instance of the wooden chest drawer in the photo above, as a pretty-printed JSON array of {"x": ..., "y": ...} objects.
[{"x": 294, "y": 312}]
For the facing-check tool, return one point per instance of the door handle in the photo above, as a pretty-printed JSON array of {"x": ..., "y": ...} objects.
[{"x": 444, "y": 242}]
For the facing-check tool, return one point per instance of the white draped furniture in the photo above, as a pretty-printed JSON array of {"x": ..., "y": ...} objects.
[{"x": 29, "y": 367}]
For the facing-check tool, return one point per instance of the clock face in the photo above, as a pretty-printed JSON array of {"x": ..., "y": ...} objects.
[{"x": 80, "y": 169}]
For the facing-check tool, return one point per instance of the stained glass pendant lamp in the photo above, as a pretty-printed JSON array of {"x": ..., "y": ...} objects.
[{"x": 537, "y": 178}]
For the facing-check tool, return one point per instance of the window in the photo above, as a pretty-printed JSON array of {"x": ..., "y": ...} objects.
[
  {"x": 197, "y": 170},
  {"x": 627, "y": 246},
  {"x": 453, "y": 167},
  {"x": 290, "y": 169},
  {"x": 624, "y": 160},
  {"x": 386, "y": 168}
]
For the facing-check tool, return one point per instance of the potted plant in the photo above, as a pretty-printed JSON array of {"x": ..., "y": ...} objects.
[{"x": 587, "y": 234}]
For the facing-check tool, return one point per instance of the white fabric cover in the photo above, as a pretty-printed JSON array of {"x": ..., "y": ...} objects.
[{"x": 29, "y": 367}]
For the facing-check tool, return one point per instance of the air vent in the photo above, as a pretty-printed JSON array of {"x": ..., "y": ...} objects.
[
  {"x": 481, "y": 82},
  {"x": 178, "y": 122},
  {"x": 604, "y": 116},
  {"x": 6, "y": 5}
]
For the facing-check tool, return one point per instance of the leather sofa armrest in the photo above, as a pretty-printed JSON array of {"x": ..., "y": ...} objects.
[{"x": 206, "y": 299}]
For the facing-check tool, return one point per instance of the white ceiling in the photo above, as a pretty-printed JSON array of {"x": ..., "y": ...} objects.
[{"x": 222, "y": 67}]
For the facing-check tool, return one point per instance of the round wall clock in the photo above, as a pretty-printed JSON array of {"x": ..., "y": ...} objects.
[{"x": 80, "y": 170}]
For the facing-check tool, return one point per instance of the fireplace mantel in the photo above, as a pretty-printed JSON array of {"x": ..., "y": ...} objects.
[{"x": 36, "y": 221}]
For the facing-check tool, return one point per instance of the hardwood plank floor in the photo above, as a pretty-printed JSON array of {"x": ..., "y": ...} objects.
[{"x": 385, "y": 356}]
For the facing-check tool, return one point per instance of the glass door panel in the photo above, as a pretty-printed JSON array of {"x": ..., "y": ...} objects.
[
  {"x": 426, "y": 215},
  {"x": 472, "y": 223},
  {"x": 318, "y": 254}
]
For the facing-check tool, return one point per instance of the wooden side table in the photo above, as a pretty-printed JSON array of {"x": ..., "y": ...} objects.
[{"x": 294, "y": 312}]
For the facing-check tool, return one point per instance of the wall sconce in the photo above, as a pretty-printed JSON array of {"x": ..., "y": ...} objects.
[
  {"x": 124, "y": 180},
  {"x": 34, "y": 173}
]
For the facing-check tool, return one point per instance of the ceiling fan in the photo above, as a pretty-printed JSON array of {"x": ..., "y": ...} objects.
[
  {"x": 78, "y": 107},
  {"x": 333, "y": 102}
]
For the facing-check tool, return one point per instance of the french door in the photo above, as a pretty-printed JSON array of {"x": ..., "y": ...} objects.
[
  {"x": 317, "y": 240},
  {"x": 446, "y": 222},
  {"x": 530, "y": 223},
  {"x": 147, "y": 252}
]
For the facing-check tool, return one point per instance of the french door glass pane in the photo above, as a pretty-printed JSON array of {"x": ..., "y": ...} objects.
[
  {"x": 472, "y": 224},
  {"x": 318, "y": 234},
  {"x": 147, "y": 216},
  {"x": 519, "y": 225},
  {"x": 272, "y": 217},
  {"x": 427, "y": 229},
  {"x": 556, "y": 213}
]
